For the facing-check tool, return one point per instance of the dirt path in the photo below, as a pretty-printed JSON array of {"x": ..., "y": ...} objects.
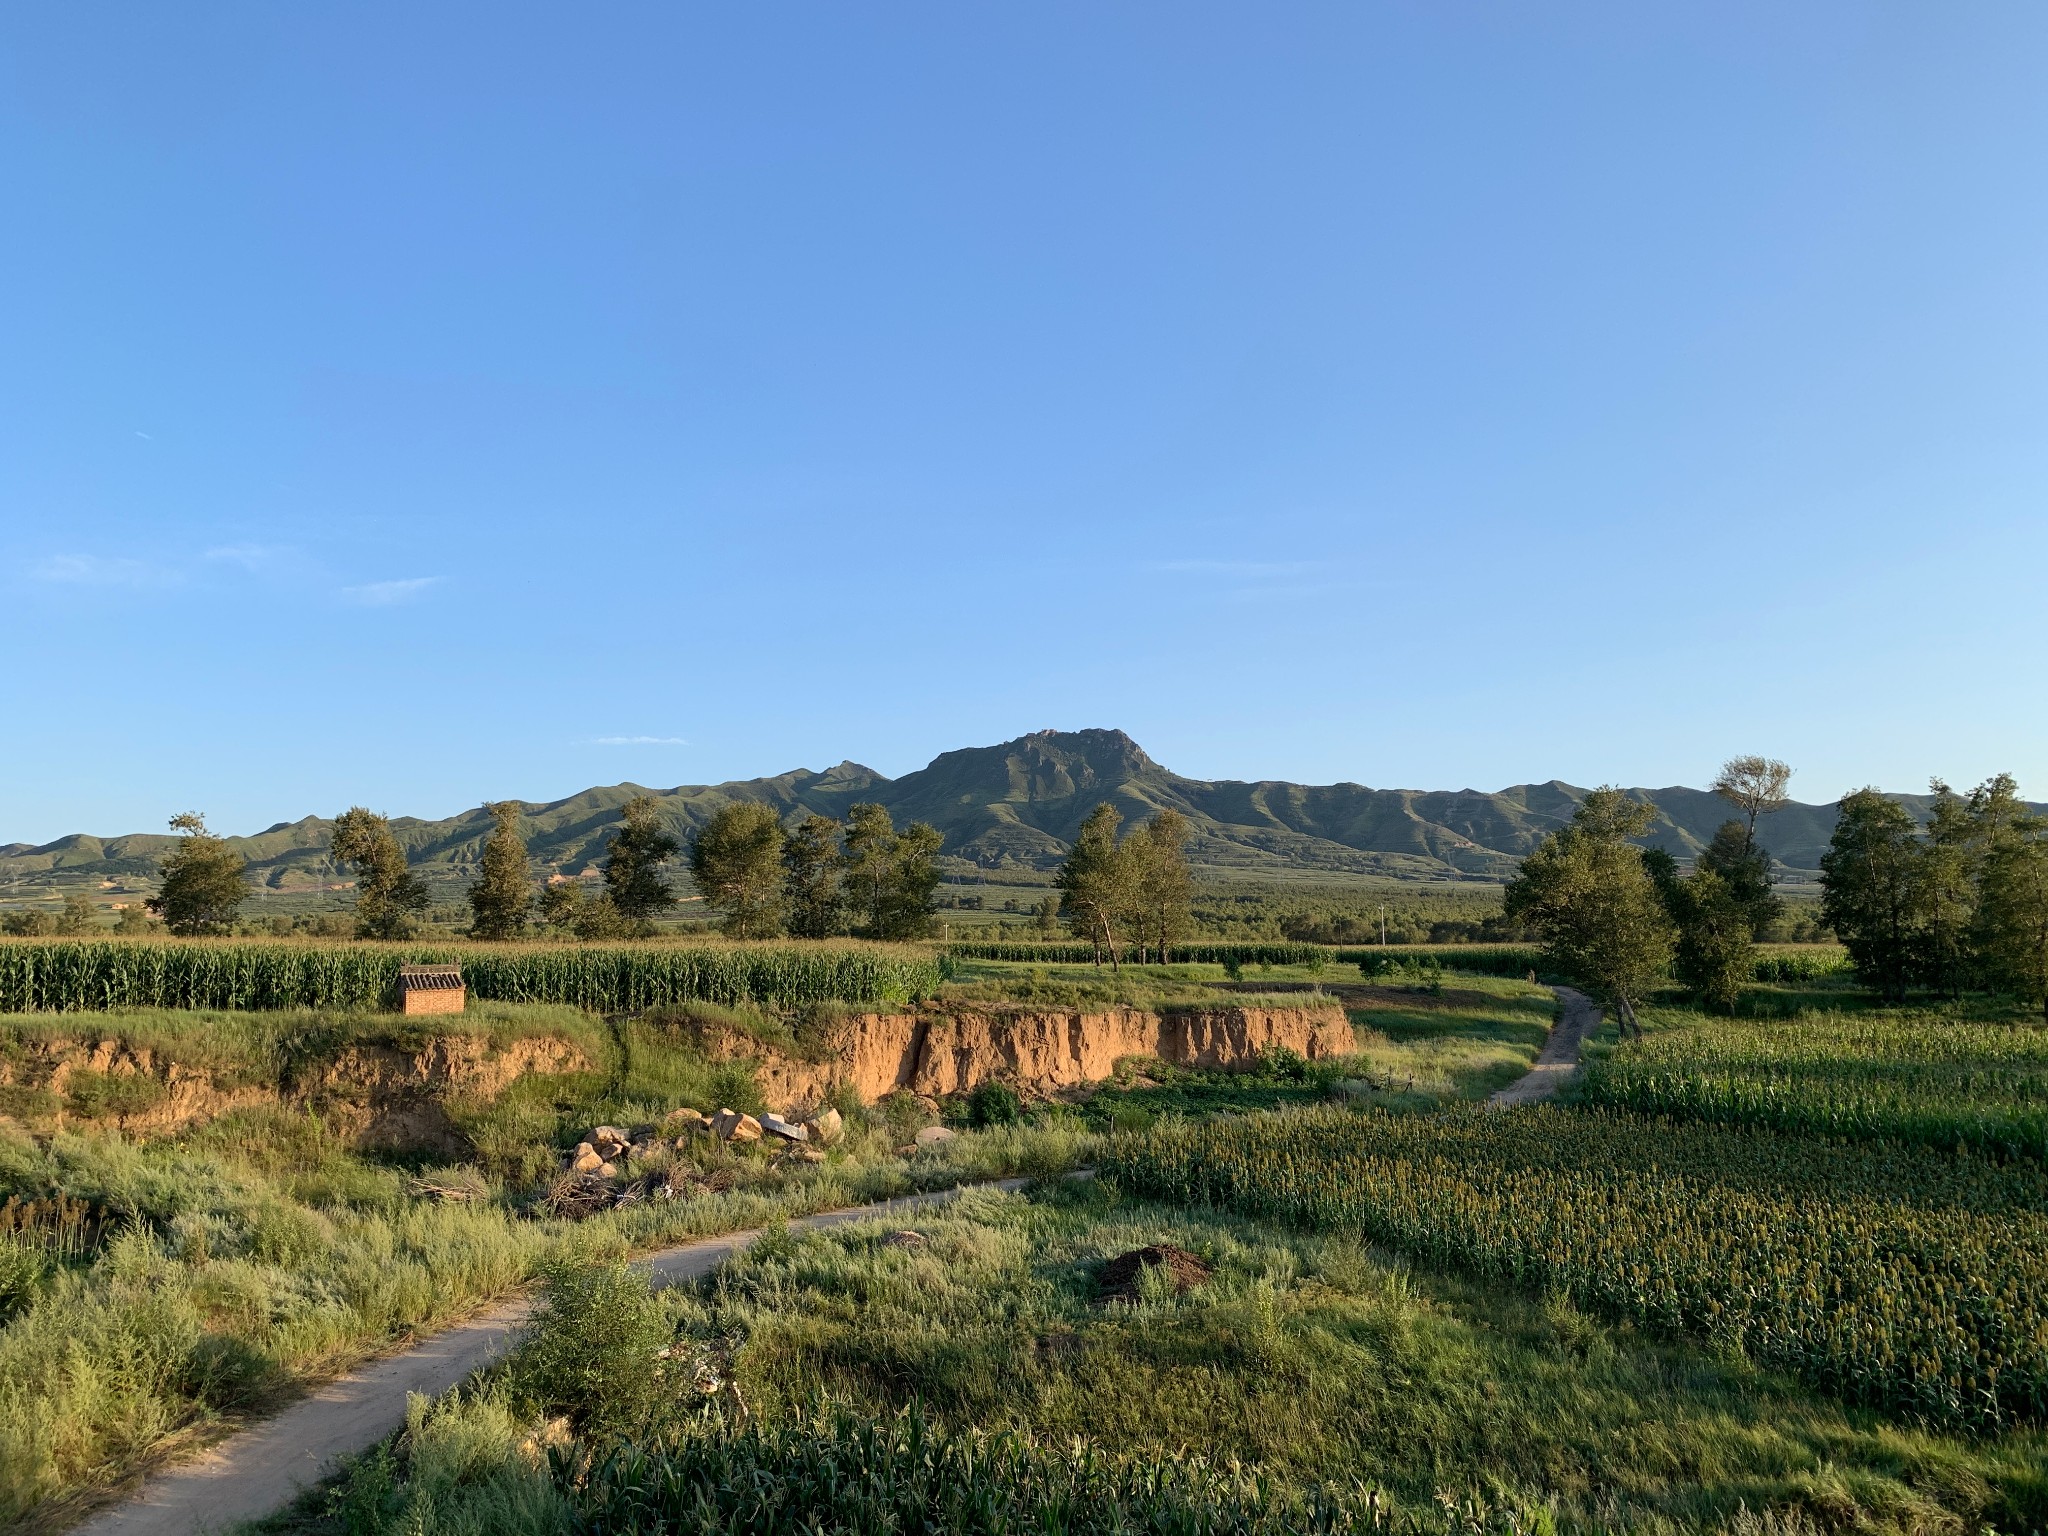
[
  {"x": 1559, "y": 1058},
  {"x": 265, "y": 1466}
]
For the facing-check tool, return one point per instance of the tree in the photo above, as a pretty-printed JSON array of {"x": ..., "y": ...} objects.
[
  {"x": 2012, "y": 909},
  {"x": 810, "y": 879},
  {"x": 503, "y": 893},
  {"x": 389, "y": 896},
  {"x": 1716, "y": 951},
  {"x": 867, "y": 862},
  {"x": 633, "y": 880},
  {"x": 78, "y": 917},
  {"x": 1096, "y": 888},
  {"x": 1049, "y": 916},
  {"x": 736, "y": 860},
  {"x": 560, "y": 904},
  {"x": 1744, "y": 868},
  {"x": 1870, "y": 889},
  {"x": 1588, "y": 892},
  {"x": 1756, "y": 785},
  {"x": 891, "y": 878},
  {"x": 912, "y": 893},
  {"x": 1945, "y": 893},
  {"x": 134, "y": 919},
  {"x": 1163, "y": 885},
  {"x": 202, "y": 887}
]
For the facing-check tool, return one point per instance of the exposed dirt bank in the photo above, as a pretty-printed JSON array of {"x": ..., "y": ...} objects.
[
  {"x": 385, "y": 1096},
  {"x": 1035, "y": 1052}
]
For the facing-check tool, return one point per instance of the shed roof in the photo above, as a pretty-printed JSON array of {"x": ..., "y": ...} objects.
[{"x": 428, "y": 978}]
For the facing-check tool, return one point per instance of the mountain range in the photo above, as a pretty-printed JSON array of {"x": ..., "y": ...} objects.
[{"x": 1016, "y": 806}]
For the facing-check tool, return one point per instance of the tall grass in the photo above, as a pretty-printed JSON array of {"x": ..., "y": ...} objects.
[{"x": 61, "y": 976}]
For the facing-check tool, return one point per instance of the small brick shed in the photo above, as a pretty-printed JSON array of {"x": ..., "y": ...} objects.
[{"x": 430, "y": 989}]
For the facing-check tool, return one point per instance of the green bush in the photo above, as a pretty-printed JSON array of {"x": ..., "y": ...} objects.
[{"x": 994, "y": 1103}]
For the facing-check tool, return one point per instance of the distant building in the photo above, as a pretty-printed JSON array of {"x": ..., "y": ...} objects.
[{"x": 430, "y": 989}]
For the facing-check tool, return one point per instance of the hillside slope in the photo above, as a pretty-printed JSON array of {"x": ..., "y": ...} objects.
[{"x": 1019, "y": 804}]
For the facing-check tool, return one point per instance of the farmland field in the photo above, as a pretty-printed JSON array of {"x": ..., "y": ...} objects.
[{"x": 1925, "y": 1077}]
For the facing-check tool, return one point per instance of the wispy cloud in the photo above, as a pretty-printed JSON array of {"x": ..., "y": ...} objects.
[
  {"x": 641, "y": 741},
  {"x": 250, "y": 557},
  {"x": 382, "y": 594},
  {"x": 100, "y": 571}
]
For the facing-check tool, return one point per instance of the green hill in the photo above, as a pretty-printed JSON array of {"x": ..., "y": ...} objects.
[{"x": 1017, "y": 805}]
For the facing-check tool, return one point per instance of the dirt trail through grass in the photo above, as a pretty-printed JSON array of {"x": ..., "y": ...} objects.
[
  {"x": 1559, "y": 1058},
  {"x": 266, "y": 1466}
]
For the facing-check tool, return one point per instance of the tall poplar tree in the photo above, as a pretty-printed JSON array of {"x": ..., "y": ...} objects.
[
  {"x": 1096, "y": 885},
  {"x": 502, "y": 897},
  {"x": 634, "y": 884},
  {"x": 811, "y": 878},
  {"x": 389, "y": 896},
  {"x": 736, "y": 860},
  {"x": 1870, "y": 890}
]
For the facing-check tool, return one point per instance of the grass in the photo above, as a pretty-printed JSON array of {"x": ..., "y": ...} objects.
[
  {"x": 153, "y": 1291},
  {"x": 1320, "y": 1363}
]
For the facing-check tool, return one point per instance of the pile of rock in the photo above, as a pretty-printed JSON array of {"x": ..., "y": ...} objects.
[{"x": 607, "y": 1152}]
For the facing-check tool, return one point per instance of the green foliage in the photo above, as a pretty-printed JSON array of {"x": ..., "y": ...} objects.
[
  {"x": 69, "y": 975},
  {"x": 1587, "y": 891},
  {"x": 994, "y": 1103},
  {"x": 633, "y": 878},
  {"x": 811, "y": 859},
  {"x": 1744, "y": 870},
  {"x": 1895, "y": 1278},
  {"x": 1177, "y": 954},
  {"x": 592, "y": 1351},
  {"x": 891, "y": 878},
  {"x": 389, "y": 896},
  {"x": 838, "y": 1474},
  {"x": 1908, "y": 1077},
  {"x": 736, "y": 861},
  {"x": 1096, "y": 885},
  {"x": 28, "y": 923},
  {"x": 78, "y": 917},
  {"x": 202, "y": 887},
  {"x": 502, "y": 894},
  {"x": 1716, "y": 955}
]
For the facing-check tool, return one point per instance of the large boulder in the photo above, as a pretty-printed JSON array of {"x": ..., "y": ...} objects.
[
  {"x": 825, "y": 1127},
  {"x": 684, "y": 1121},
  {"x": 788, "y": 1130},
  {"x": 609, "y": 1141},
  {"x": 731, "y": 1125},
  {"x": 933, "y": 1135}
]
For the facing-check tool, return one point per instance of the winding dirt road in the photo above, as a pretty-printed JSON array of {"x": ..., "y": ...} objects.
[
  {"x": 267, "y": 1465},
  {"x": 1559, "y": 1058}
]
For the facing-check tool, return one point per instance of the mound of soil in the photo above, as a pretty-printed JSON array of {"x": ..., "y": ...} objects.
[{"x": 1119, "y": 1278}]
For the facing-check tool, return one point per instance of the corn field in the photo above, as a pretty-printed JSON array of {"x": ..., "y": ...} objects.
[
  {"x": 1897, "y": 1278},
  {"x": 59, "y": 976},
  {"x": 1916, "y": 1077},
  {"x": 1176, "y": 954}
]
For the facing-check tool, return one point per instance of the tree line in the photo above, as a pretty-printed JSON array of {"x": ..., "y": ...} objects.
[
  {"x": 1958, "y": 905},
  {"x": 1961, "y": 904},
  {"x": 816, "y": 880}
]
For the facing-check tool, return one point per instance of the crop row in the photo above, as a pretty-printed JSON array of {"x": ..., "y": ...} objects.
[
  {"x": 607, "y": 979},
  {"x": 1176, "y": 954},
  {"x": 1892, "y": 1277},
  {"x": 1918, "y": 1078}
]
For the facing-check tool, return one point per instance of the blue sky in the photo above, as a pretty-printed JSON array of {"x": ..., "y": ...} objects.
[{"x": 413, "y": 405}]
